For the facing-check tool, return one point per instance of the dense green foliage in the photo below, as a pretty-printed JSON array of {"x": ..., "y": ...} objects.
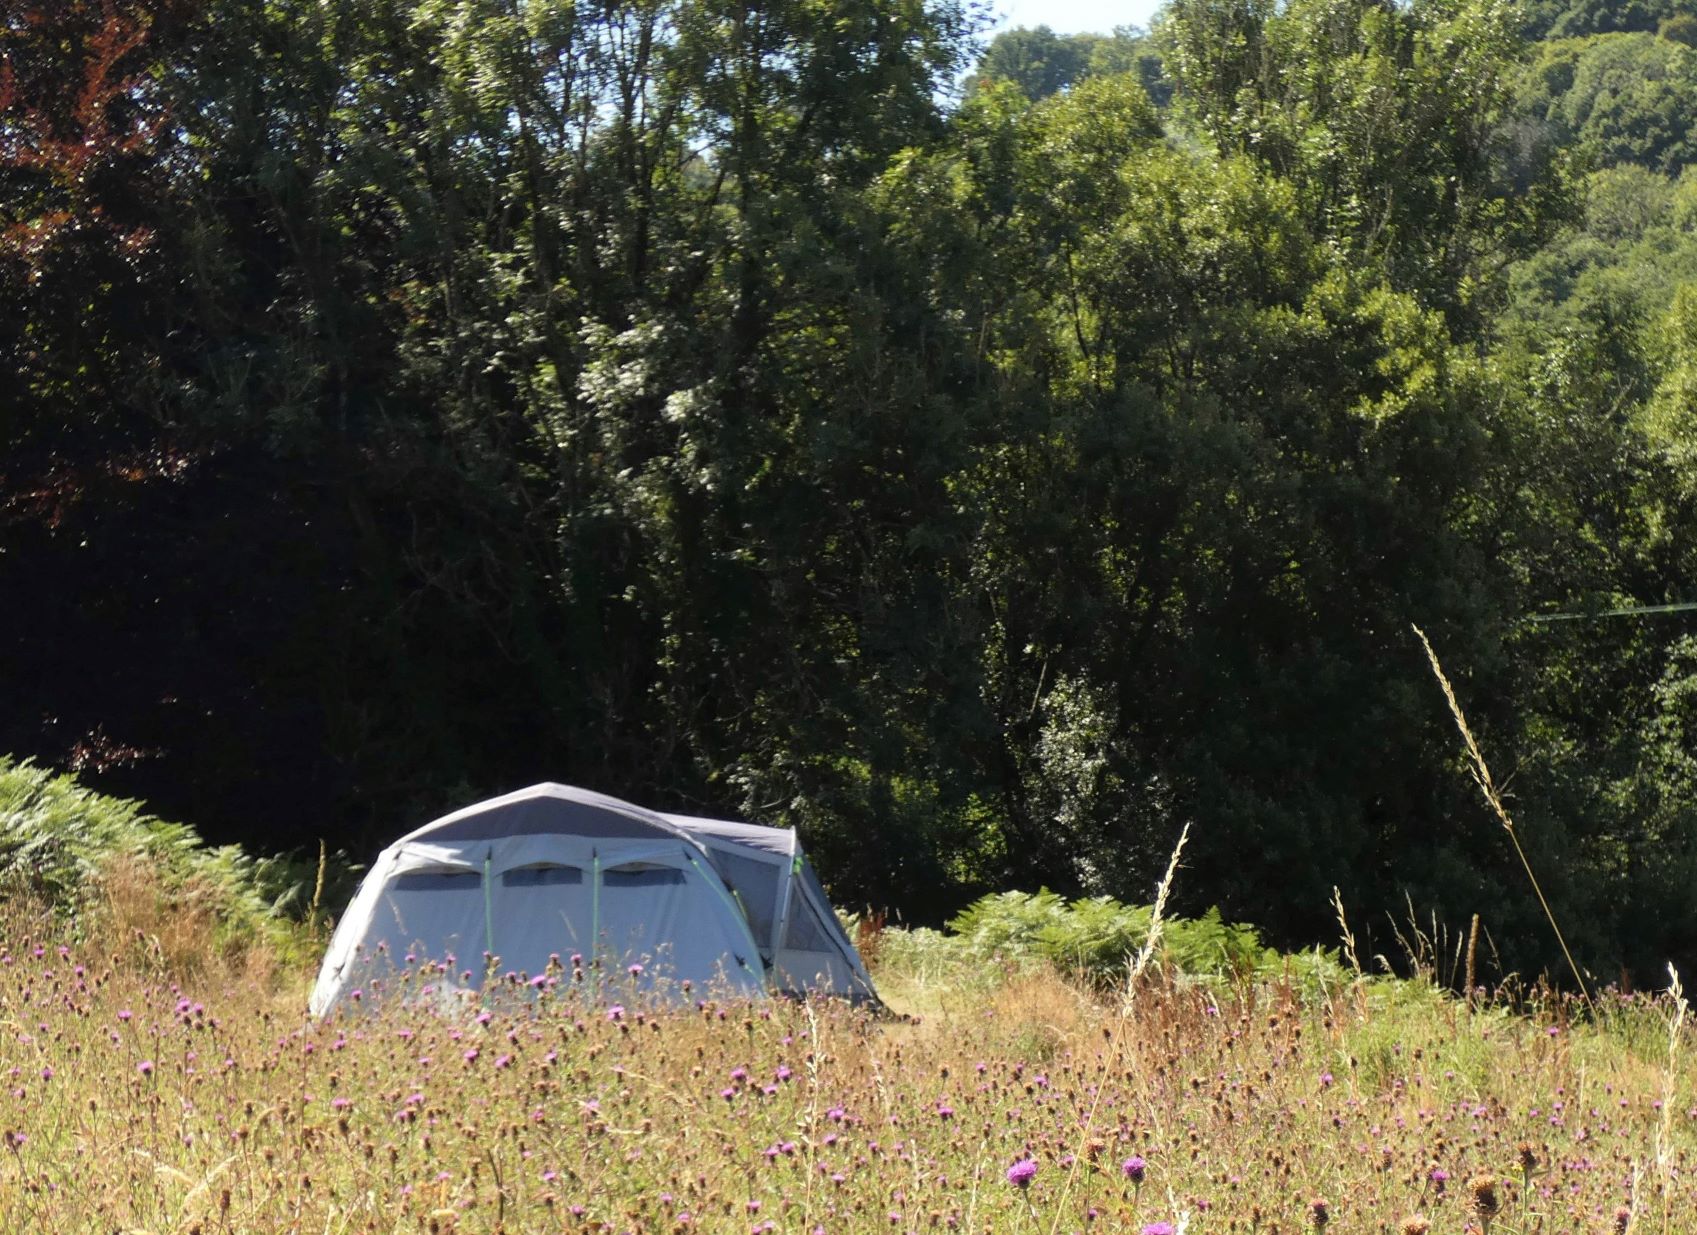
[
  {"x": 60, "y": 844},
  {"x": 753, "y": 410},
  {"x": 1100, "y": 939}
]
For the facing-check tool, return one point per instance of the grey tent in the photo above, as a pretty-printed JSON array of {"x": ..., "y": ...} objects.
[{"x": 553, "y": 870}]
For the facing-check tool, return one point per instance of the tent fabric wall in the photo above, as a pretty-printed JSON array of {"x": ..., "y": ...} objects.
[
  {"x": 552, "y": 870},
  {"x": 806, "y": 948}
]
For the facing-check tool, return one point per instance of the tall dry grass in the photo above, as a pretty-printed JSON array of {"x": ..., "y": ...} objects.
[{"x": 141, "y": 1098}]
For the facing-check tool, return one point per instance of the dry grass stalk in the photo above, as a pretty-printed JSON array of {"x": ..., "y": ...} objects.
[
  {"x": 1472, "y": 960},
  {"x": 1358, "y": 988},
  {"x": 1117, "y": 1034},
  {"x": 318, "y": 889},
  {"x": 1348, "y": 935},
  {"x": 1676, "y": 1034},
  {"x": 1487, "y": 786},
  {"x": 1153, "y": 941}
]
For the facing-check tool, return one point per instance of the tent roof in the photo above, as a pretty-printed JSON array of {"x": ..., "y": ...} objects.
[
  {"x": 548, "y": 809},
  {"x": 779, "y": 842}
]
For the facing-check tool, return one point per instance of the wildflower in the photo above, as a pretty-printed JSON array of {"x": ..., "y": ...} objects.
[
  {"x": 1415, "y": 1224},
  {"x": 1157, "y": 1228},
  {"x": 1623, "y": 1220},
  {"x": 1485, "y": 1201},
  {"x": 1319, "y": 1213},
  {"x": 145, "y": 1067},
  {"x": 1021, "y": 1173},
  {"x": 1134, "y": 1168},
  {"x": 616, "y": 1012},
  {"x": 636, "y": 971}
]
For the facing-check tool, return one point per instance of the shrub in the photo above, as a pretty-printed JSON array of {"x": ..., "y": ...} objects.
[
  {"x": 78, "y": 851},
  {"x": 1681, "y": 28},
  {"x": 1097, "y": 937}
]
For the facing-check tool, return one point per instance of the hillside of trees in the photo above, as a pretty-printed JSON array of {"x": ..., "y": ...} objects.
[{"x": 986, "y": 455}]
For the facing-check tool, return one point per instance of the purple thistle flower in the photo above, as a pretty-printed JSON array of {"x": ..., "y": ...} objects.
[
  {"x": 1021, "y": 1173},
  {"x": 1158, "y": 1228},
  {"x": 1134, "y": 1167}
]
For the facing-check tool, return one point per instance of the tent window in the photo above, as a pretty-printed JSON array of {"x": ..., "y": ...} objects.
[
  {"x": 437, "y": 881},
  {"x": 755, "y": 885},
  {"x": 540, "y": 876},
  {"x": 641, "y": 876},
  {"x": 804, "y": 933}
]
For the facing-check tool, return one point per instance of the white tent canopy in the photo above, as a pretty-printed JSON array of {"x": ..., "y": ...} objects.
[{"x": 553, "y": 870}]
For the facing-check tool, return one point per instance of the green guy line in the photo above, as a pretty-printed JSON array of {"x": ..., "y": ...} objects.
[{"x": 1634, "y": 611}]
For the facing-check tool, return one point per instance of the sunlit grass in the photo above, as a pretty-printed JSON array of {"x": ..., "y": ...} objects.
[{"x": 133, "y": 1102}]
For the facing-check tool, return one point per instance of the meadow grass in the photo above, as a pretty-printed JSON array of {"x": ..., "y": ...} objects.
[{"x": 137, "y": 1099}]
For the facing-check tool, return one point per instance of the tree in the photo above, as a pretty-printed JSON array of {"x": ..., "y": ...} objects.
[{"x": 1386, "y": 118}]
